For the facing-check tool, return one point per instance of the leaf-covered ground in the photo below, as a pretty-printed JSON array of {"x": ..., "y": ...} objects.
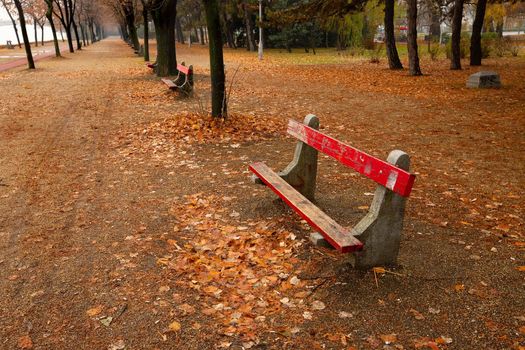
[{"x": 129, "y": 221}]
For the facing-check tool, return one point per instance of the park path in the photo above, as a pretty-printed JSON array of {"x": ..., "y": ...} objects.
[{"x": 65, "y": 207}]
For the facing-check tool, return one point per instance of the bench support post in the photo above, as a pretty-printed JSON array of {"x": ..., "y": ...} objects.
[
  {"x": 187, "y": 85},
  {"x": 380, "y": 230},
  {"x": 301, "y": 173}
]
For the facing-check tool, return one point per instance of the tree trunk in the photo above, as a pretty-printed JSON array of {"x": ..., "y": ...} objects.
[
  {"x": 124, "y": 32},
  {"x": 83, "y": 33},
  {"x": 231, "y": 36},
  {"x": 228, "y": 30},
  {"x": 69, "y": 39},
  {"x": 164, "y": 20},
  {"x": 435, "y": 25},
  {"x": 42, "y": 35},
  {"x": 129, "y": 16},
  {"x": 132, "y": 31},
  {"x": 49, "y": 15},
  {"x": 100, "y": 32},
  {"x": 390, "y": 40},
  {"x": 195, "y": 31},
  {"x": 455, "y": 59},
  {"x": 13, "y": 22},
  {"x": 202, "y": 35},
  {"x": 74, "y": 24},
  {"x": 250, "y": 40},
  {"x": 61, "y": 30},
  {"x": 261, "y": 22},
  {"x": 35, "y": 26},
  {"x": 218, "y": 79},
  {"x": 311, "y": 41},
  {"x": 30, "y": 62},
  {"x": 475, "y": 40},
  {"x": 499, "y": 29},
  {"x": 92, "y": 31},
  {"x": 180, "y": 35},
  {"x": 413, "y": 56},
  {"x": 366, "y": 33},
  {"x": 88, "y": 35},
  {"x": 146, "y": 33},
  {"x": 66, "y": 22}
]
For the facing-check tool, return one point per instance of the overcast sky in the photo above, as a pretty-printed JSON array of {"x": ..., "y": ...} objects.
[{"x": 3, "y": 14}]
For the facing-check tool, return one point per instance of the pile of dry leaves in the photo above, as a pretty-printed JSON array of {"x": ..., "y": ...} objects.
[
  {"x": 186, "y": 129},
  {"x": 245, "y": 274}
]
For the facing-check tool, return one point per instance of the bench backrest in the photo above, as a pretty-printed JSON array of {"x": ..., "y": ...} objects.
[
  {"x": 382, "y": 172},
  {"x": 184, "y": 69}
]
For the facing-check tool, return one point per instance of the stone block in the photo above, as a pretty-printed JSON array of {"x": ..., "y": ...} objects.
[{"x": 484, "y": 79}]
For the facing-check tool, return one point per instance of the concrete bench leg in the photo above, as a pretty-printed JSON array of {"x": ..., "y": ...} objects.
[
  {"x": 190, "y": 77},
  {"x": 380, "y": 230},
  {"x": 301, "y": 173}
]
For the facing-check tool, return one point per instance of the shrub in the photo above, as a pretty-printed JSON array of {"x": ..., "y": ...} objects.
[
  {"x": 376, "y": 53},
  {"x": 464, "y": 46},
  {"x": 489, "y": 44},
  {"x": 356, "y": 51},
  {"x": 486, "y": 47},
  {"x": 485, "y": 51},
  {"x": 434, "y": 52},
  {"x": 445, "y": 38},
  {"x": 514, "y": 50},
  {"x": 369, "y": 44},
  {"x": 489, "y": 36},
  {"x": 499, "y": 48},
  {"x": 502, "y": 46}
]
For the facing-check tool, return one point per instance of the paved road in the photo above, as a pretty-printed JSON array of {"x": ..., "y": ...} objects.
[{"x": 38, "y": 54}]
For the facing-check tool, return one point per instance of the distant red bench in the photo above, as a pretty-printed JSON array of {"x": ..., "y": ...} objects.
[
  {"x": 184, "y": 80},
  {"x": 375, "y": 239},
  {"x": 151, "y": 65}
]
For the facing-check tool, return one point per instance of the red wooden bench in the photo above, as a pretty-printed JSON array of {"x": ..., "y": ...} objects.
[
  {"x": 184, "y": 80},
  {"x": 375, "y": 239},
  {"x": 151, "y": 65}
]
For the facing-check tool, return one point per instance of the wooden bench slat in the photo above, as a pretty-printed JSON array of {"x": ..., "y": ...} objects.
[
  {"x": 334, "y": 233},
  {"x": 170, "y": 83},
  {"x": 384, "y": 173},
  {"x": 183, "y": 69}
]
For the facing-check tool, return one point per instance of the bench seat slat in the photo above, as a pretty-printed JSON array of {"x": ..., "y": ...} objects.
[
  {"x": 384, "y": 173},
  {"x": 335, "y": 234},
  {"x": 170, "y": 83}
]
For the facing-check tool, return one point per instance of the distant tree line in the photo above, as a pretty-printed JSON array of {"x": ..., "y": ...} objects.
[
  {"x": 294, "y": 23},
  {"x": 286, "y": 24}
]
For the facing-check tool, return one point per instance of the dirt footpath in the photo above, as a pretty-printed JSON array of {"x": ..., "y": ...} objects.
[{"x": 128, "y": 222}]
